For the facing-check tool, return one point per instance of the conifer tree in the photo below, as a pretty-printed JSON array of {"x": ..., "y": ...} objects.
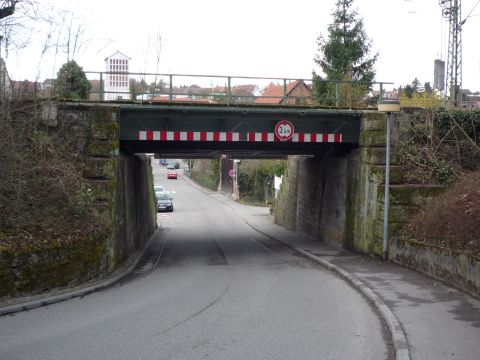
[{"x": 344, "y": 55}]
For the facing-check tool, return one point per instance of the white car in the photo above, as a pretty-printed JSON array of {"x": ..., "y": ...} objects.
[{"x": 159, "y": 189}]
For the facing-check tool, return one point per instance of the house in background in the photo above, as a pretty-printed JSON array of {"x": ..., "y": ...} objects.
[
  {"x": 116, "y": 85},
  {"x": 297, "y": 93},
  {"x": 239, "y": 93}
]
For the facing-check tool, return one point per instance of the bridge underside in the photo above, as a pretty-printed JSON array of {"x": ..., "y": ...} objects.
[
  {"x": 193, "y": 131},
  {"x": 200, "y": 150}
]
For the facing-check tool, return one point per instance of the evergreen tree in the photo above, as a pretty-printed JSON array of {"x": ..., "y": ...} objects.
[
  {"x": 71, "y": 82},
  {"x": 408, "y": 91},
  {"x": 428, "y": 88},
  {"x": 344, "y": 55},
  {"x": 417, "y": 88}
]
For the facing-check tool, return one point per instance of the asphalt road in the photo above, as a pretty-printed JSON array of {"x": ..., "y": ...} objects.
[{"x": 209, "y": 287}]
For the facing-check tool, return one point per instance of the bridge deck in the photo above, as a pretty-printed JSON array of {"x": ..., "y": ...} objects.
[{"x": 201, "y": 129}]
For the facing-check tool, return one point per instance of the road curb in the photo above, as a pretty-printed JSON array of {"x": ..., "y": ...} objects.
[
  {"x": 399, "y": 339},
  {"x": 81, "y": 291}
]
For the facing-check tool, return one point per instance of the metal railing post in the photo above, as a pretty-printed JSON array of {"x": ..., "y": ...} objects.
[
  {"x": 284, "y": 91},
  {"x": 229, "y": 79},
  {"x": 102, "y": 88},
  {"x": 381, "y": 91},
  {"x": 170, "y": 90}
]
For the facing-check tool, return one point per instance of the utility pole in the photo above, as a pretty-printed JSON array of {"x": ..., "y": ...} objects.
[{"x": 451, "y": 10}]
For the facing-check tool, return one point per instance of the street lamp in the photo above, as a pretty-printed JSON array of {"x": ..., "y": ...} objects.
[{"x": 387, "y": 106}]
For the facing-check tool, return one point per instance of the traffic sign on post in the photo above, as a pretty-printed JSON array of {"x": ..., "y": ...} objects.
[{"x": 284, "y": 130}]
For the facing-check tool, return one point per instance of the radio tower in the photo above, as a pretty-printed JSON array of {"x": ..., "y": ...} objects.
[{"x": 451, "y": 10}]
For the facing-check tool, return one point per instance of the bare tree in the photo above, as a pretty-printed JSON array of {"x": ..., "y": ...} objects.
[
  {"x": 7, "y": 8},
  {"x": 17, "y": 21}
]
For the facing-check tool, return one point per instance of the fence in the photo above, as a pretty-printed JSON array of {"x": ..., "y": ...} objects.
[{"x": 230, "y": 90}]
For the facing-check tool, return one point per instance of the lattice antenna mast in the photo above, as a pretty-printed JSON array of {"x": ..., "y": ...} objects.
[{"x": 451, "y": 10}]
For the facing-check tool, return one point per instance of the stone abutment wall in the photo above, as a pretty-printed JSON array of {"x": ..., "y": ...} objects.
[
  {"x": 118, "y": 188},
  {"x": 339, "y": 197}
]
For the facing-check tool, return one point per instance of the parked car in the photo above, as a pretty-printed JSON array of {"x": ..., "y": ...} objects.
[
  {"x": 172, "y": 175},
  {"x": 173, "y": 165},
  {"x": 164, "y": 203}
]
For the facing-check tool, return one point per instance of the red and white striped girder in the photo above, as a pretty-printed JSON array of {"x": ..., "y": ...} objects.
[{"x": 235, "y": 136}]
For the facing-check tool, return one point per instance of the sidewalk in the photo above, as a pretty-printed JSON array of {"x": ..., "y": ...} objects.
[{"x": 428, "y": 320}]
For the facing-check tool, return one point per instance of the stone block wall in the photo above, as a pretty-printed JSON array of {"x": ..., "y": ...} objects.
[
  {"x": 366, "y": 190},
  {"x": 457, "y": 269},
  {"x": 121, "y": 186},
  {"x": 286, "y": 206},
  {"x": 312, "y": 197},
  {"x": 135, "y": 206},
  {"x": 339, "y": 196}
]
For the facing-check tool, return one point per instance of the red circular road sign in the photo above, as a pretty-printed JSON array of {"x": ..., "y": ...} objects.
[
  {"x": 232, "y": 173},
  {"x": 284, "y": 130}
]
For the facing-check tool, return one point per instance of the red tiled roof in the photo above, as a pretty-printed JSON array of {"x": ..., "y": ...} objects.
[{"x": 273, "y": 93}]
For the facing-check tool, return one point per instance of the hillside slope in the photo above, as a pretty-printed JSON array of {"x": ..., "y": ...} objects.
[{"x": 451, "y": 220}]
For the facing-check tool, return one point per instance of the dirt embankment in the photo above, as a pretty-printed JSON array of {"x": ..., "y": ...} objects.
[{"x": 451, "y": 220}]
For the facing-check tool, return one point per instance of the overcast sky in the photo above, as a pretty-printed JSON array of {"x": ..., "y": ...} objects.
[{"x": 265, "y": 38}]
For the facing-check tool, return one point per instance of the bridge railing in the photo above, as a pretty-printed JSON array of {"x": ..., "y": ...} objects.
[{"x": 231, "y": 90}]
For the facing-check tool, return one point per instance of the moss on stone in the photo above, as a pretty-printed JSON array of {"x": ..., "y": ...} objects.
[
  {"x": 60, "y": 264},
  {"x": 397, "y": 213},
  {"x": 376, "y": 174},
  {"x": 105, "y": 130},
  {"x": 375, "y": 156},
  {"x": 106, "y": 114},
  {"x": 99, "y": 168},
  {"x": 416, "y": 195},
  {"x": 373, "y": 122},
  {"x": 372, "y": 138}
]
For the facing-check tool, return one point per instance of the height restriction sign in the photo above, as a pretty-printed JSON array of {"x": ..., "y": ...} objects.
[{"x": 284, "y": 130}]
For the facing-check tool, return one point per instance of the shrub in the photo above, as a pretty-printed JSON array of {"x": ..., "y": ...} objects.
[
  {"x": 441, "y": 147},
  {"x": 71, "y": 82}
]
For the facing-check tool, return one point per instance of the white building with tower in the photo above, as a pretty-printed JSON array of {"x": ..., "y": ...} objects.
[{"x": 116, "y": 85}]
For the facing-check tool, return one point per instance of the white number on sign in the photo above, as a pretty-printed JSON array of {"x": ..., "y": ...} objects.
[{"x": 284, "y": 130}]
